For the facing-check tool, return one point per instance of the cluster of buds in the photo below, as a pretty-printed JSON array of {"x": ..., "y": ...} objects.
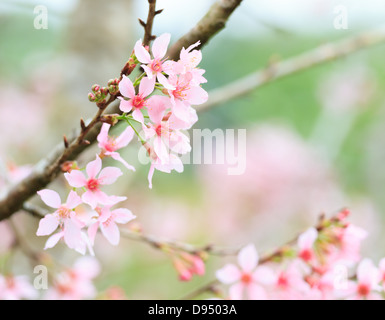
[
  {"x": 98, "y": 94},
  {"x": 187, "y": 265},
  {"x": 113, "y": 86}
]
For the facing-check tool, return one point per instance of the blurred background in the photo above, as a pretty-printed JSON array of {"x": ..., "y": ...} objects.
[{"x": 314, "y": 139}]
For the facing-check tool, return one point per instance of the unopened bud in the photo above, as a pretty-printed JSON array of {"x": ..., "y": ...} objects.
[
  {"x": 91, "y": 97},
  {"x": 95, "y": 88}
]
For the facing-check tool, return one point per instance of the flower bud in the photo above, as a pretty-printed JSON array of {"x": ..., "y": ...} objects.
[{"x": 91, "y": 97}]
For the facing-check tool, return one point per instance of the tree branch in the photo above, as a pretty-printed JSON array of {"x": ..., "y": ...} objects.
[
  {"x": 213, "y": 22},
  {"x": 278, "y": 70},
  {"x": 149, "y": 23}
]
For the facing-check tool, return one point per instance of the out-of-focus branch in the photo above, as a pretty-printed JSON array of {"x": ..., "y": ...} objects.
[
  {"x": 213, "y": 22},
  {"x": 304, "y": 61}
]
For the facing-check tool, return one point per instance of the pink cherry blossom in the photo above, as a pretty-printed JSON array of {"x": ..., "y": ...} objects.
[
  {"x": 305, "y": 244},
  {"x": 367, "y": 283},
  {"x": 64, "y": 217},
  {"x": 110, "y": 145},
  {"x": 185, "y": 91},
  {"x": 76, "y": 283},
  {"x": 249, "y": 279},
  {"x": 188, "y": 63},
  {"x": 165, "y": 134},
  {"x": 16, "y": 288},
  {"x": 96, "y": 178},
  {"x": 154, "y": 67},
  {"x": 138, "y": 101},
  {"x": 107, "y": 222}
]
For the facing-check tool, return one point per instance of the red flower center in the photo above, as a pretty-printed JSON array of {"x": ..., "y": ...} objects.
[
  {"x": 363, "y": 290},
  {"x": 156, "y": 66},
  {"x": 306, "y": 255},
  {"x": 138, "y": 102},
  {"x": 93, "y": 184},
  {"x": 283, "y": 281},
  {"x": 159, "y": 130},
  {"x": 246, "y": 278}
]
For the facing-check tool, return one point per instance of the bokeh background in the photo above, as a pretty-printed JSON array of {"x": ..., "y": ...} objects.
[{"x": 315, "y": 139}]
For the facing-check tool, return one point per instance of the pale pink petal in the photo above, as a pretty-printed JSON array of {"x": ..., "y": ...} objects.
[
  {"x": 47, "y": 225},
  {"x": 196, "y": 95},
  {"x": 382, "y": 265},
  {"x": 87, "y": 268},
  {"x": 182, "y": 111},
  {"x": 76, "y": 178},
  {"x": 256, "y": 292},
  {"x": 92, "y": 231},
  {"x": 264, "y": 275},
  {"x": 125, "y": 138},
  {"x": 159, "y": 47},
  {"x": 236, "y": 291},
  {"x": 169, "y": 67},
  {"x": 126, "y": 87},
  {"x": 141, "y": 53},
  {"x": 161, "y": 150},
  {"x": 307, "y": 239},
  {"x": 94, "y": 167},
  {"x": 109, "y": 175},
  {"x": 164, "y": 82},
  {"x": 91, "y": 198},
  {"x": 146, "y": 86},
  {"x": 103, "y": 135},
  {"x": 248, "y": 258},
  {"x": 228, "y": 274},
  {"x": 73, "y": 200},
  {"x": 72, "y": 234},
  {"x": 111, "y": 232},
  {"x": 367, "y": 273},
  {"x": 156, "y": 108},
  {"x": 125, "y": 106},
  {"x": 149, "y": 72},
  {"x": 53, "y": 240},
  {"x": 138, "y": 116},
  {"x": 50, "y": 198},
  {"x": 123, "y": 215},
  {"x": 116, "y": 156}
]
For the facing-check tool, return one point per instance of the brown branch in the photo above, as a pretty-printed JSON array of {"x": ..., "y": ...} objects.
[
  {"x": 213, "y": 22},
  {"x": 149, "y": 23},
  {"x": 278, "y": 70}
]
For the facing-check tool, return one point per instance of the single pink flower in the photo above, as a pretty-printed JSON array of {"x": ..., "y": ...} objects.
[
  {"x": 305, "y": 244},
  {"x": 367, "y": 284},
  {"x": 138, "y": 101},
  {"x": 76, "y": 283},
  {"x": 110, "y": 145},
  {"x": 96, "y": 178},
  {"x": 107, "y": 222},
  {"x": 64, "y": 217},
  {"x": 185, "y": 91},
  {"x": 249, "y": 277},
  {"x": 154, "y": 67},
  {"x": 188, "y": 63},
  {"x": 16, "y": 288}
]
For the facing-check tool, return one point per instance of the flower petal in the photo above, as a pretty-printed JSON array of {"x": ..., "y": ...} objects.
[
  {"x": 53, "y": 240},
  {"x": 94, "y": 167},
  {"x": 103, "y": 135},
  {"x": 228, "y": 274},
  {"x": 125, "y": 138},
  {"x": 76, "y": 178},
  {"x": 72, "y": 234},
  {"x": 248, "y": 258},
  {"x": 92, "y": 231},
  {"x": 126, "y": 87},
  {"x": 47, "y": 225},
  {"x": 125, "y": 106},
  {"x": 156, "y": 108},
  {"x": 109, "y": 175},
  {"x": 111, "y": 232},
  {"x": 50, "y": 198},
  {"x": 307, "y": 239},
  {"x": 159, "y": 47},
  {"x": 116, "y": 156},
  {"x": 236, "y": 291},
  {"x": 146, "y": 86},
  {"x": 138, "y": 115},
  {"x": 73, "y": 200},
  {"x": 123, "y": 215},
  {"x": 141, "y": 53},
  {"x": 164, "y": 82}
]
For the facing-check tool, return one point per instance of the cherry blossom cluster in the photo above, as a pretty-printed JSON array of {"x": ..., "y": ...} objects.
[
  {"x": 160, "y": 101},
  {"x": 325, "y": 263}
]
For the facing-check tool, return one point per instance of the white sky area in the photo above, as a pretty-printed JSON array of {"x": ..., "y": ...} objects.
[{"x": 253, "y": 16}]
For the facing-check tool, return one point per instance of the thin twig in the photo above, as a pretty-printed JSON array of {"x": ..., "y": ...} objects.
[
  {"x": 149, "y": 23},
  {"x": 213, "y": 22}
]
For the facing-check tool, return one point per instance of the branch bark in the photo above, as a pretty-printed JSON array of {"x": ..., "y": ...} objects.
[
  {"x": 278, "y": 70},
  {"x": 213, "y": 22}
]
